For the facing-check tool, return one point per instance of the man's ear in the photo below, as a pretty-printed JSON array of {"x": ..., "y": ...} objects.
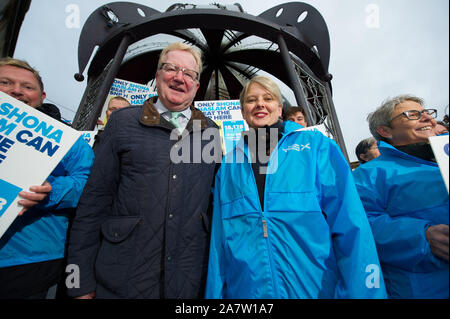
[
  {"x": 364, "y": 157},
  {"x": 384, "y": 131}
]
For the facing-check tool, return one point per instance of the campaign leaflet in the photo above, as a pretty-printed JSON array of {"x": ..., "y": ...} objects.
[
  {"x": 227, "y": 115},
  {"x": 135, "y": 93},
  {"x": 89, "y": 137},
  {"x": 439, "y": 145},
  {"x": 31, "y": 146}
]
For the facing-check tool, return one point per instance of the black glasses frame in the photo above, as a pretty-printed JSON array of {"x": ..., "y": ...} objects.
[
  {"x": 183, "y": 70},
  {"x": 416, "y": 114}
]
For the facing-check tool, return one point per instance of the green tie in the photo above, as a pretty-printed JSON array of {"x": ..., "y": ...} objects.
[{"x": 174, "y": 119}]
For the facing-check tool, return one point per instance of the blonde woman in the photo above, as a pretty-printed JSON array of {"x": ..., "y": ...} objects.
[{"x": 287, "y": 220}]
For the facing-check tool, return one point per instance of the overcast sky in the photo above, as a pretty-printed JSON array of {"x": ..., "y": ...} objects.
[{"x": 379, "y": 49}]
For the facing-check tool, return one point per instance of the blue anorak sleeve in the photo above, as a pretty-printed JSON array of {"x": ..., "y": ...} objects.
[
  {"x": 400, "y": 240},
  {"x": 359, "y": 269},
  {"x": 68, "y": 187},
  {"x": 215, "y": 280}
]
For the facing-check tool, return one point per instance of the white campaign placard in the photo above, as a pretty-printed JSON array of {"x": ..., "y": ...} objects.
[
  {"x": 227, "y": 115},
  {"x": 89, "y": 136},
  {"x": 31, "y": 146},
  {"x": 135, "y": 93},
  {"x": 439, "y": 144}
]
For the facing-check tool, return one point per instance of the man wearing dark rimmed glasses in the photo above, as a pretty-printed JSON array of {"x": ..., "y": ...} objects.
[
  {"x": 406, "y": 200},
  {"x": 142, "y": 225}
]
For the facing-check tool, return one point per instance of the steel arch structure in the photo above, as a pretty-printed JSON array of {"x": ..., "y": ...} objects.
[{"x": 296, "y": 50}]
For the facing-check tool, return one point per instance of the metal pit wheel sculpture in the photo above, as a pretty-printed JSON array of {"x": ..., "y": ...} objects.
[{"x": 289, "y": 41}]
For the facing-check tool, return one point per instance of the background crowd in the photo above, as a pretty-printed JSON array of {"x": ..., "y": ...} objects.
[{"x": 287, "y": 217}]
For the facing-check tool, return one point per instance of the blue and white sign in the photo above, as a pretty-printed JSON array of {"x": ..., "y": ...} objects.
[
  {"x": 8, "y": 193},
  {"x": 89, "y": 137},
  {"x": 135, "y": 93},
  {"x": 31, "y": 145},
  {"x": 439, "y": 144},
  {"x": 227, "y": 115},
  {"x": 232, "y": 133}
]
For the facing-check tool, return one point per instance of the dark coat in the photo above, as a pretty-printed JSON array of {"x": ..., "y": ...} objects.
[{"x": 142, "y": 225}]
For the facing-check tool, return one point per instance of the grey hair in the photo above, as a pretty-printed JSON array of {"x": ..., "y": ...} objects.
[
  {"x": 383, "y": 114},
  {"x": 179, "y": 46}
]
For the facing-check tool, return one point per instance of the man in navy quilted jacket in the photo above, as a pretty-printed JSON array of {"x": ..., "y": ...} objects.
[{"x": 142, "y": 226}]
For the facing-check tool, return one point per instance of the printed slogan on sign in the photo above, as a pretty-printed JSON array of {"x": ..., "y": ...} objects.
[
  {"x": 31, "y": 145},
  {"x": 227, "y": 115},
  {"x": 134, "y": 93}
]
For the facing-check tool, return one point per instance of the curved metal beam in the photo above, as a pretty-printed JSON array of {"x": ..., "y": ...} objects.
[
  {"x": 303, "y": 19},
  {"x": 126, "y": 12},
  {"x": 203, "y": 18}
]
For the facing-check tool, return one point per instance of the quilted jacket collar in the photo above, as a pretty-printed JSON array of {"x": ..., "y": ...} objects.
[{"x": 150, "y": 117}]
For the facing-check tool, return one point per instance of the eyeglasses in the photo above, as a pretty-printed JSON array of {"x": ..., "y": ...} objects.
[
  {"x": 416, "y": 115},
  {"x": 188, "y": 75}
]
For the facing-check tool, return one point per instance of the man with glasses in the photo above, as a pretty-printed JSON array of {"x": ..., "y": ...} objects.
[
  {"x": 142, "y": 225},
  {"x": 406, "y": 200}
]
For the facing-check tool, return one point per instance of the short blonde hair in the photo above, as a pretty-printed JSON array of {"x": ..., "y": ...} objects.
[
  {"x": 266, "y": 83},
  {"x": 23, "y": 65},
  {"x": 118, "y": 97},
  {"x": 179, "y": 46}
]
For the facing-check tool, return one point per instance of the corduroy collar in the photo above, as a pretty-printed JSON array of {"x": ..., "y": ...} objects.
[{"x": 150, "y": 116}]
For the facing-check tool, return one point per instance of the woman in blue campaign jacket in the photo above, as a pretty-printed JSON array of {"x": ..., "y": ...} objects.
[
  {"x": 292, "y": 227},
  {"x": 406, "y": 201}
]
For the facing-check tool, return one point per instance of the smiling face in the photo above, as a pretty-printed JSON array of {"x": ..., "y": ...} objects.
[
  {"x": 174, "y": 91},
  {"x": 403, "y": 131},
  {"x": 21, "y": 84},
  {"x": 260, "y": 107},
  {"x": 298, "y": 118},
  {"x": 115, "y": 104}
]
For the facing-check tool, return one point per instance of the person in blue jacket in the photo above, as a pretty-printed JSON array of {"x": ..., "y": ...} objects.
[
  {"x": 406, "y": 200},
  {"x": 287, "y": 219},
  {"x": 32, "y": 250}
]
